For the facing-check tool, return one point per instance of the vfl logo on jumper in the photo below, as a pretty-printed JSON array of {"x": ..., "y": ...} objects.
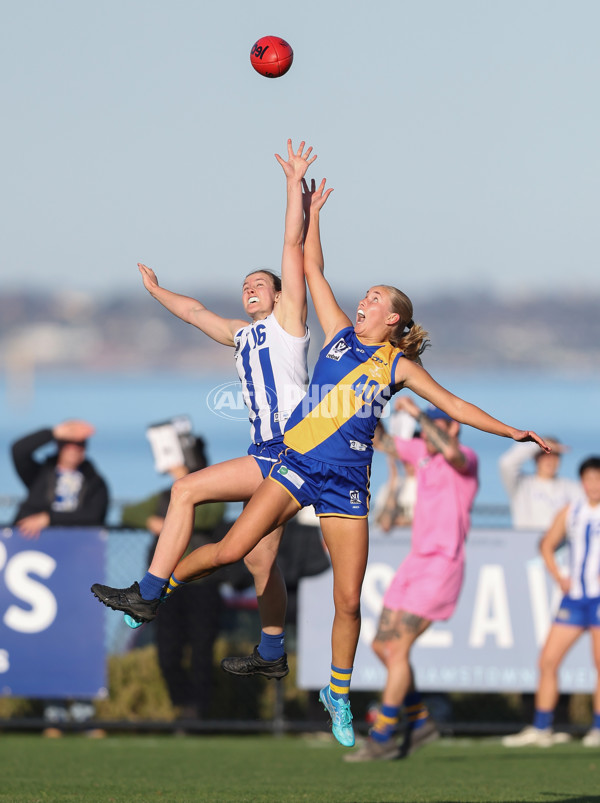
[
  {"x": 337, "y": 351},
  {"x": 355, "y": 498},
  {"x": 291, "y": 476},
  {"x": 358, "y": 447}
]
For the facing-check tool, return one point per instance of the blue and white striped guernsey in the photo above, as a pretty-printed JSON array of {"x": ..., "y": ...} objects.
[
  {"x": 272, "y": 366},
  {"x": 583, "y": 537}
]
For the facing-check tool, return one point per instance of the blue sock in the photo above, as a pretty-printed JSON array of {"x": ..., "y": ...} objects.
[
  {"x": 151, "y": 586},
  {"x": 415, "y": 709},
  {"x": 339, "y": 683},
  {"x": 271, "y": 647},
  {"x": 543, "y": 719},
  {"x": 386, "y": 723},
  {"x": 596, "y": 722}
]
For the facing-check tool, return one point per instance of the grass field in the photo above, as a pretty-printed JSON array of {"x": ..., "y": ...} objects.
[{"x": 122, "y": 769}]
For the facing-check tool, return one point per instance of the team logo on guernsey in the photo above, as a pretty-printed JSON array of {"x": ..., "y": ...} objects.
[
  {"x": 355, "y": 498},
  {"x": 291, "y": 476},
  {"x": 337, "y": 351}
]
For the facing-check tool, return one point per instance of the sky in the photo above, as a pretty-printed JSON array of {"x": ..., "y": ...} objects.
[{"x": 461, "y": 138}]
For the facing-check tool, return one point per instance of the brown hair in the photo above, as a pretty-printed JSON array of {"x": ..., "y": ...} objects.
[
  {"x": 275, "y": 279},
  {"x": 407, "y": 335},
  {"x": 592, "y": 463}
]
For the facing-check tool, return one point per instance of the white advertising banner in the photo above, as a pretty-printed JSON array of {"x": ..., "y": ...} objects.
[{"x": 491, "y": 643}]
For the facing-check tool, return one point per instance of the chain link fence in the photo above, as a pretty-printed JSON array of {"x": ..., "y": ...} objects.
[{"x": 168, "y": 677}]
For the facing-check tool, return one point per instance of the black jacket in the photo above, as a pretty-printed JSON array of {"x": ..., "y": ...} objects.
[{"x": 40, "y": 479}]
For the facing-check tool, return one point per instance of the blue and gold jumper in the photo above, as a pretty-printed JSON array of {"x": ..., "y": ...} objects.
[
  {"x": 329, "y": 435},
  {"x": 351, "y": 384}
]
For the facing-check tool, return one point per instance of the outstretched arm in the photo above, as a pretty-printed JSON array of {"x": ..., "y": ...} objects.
[
  {"x": 331, "y": 317},
  {"x": 191, "y": 311},
  {"x": 290, "y": 309},
  {"x": 416, "y": 378}
]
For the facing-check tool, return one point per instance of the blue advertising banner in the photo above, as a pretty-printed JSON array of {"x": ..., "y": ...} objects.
[
  {"x": 491, "y": 643},
  {"x": 51, "y": 626}
]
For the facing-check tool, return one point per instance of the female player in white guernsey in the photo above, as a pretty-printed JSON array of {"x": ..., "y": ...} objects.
[
  {"x": 271, "y": 360},
  {"x": 579, "y": 523},
  {"x": 329, "y": 449}
]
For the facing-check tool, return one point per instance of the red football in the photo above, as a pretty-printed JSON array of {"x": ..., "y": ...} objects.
[{"x": 271, "y": 56}]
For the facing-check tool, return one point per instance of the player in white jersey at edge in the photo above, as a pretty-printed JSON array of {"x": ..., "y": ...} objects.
[
  {"x": 271, "y": 360},
  {"x": 579, "y": 523}
]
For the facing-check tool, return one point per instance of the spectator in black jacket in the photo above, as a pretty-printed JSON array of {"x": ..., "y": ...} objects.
[{"x": 65, "y": 490}]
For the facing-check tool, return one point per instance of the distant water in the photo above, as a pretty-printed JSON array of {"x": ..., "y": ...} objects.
[{"x": 122, "y": 406}]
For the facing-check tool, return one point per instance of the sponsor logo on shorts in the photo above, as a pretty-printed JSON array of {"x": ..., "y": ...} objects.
[
  {"x": 563, "y": 613},
  {"x": 338, "y": 349},
  {"x": 355, "y": 498},
  {"x": 358, "y": 446},
  {"x": 291, "y": 476},
  {"x": 281, "y": 416}
]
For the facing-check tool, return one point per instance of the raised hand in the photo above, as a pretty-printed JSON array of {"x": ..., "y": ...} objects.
[
  {"x": 406, "y": 404},
  {"x": 297, "y": 163},
  {"x": 73, "y": 430},
  {"x": 148, "y": 277},
  {"x": 313, "y": 198}
]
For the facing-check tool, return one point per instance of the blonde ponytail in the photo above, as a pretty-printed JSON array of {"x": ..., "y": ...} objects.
[{"x": 407, "y": 335}]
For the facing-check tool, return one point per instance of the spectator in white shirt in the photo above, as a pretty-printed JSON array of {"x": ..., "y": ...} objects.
[{"x": 536, "y": 498}]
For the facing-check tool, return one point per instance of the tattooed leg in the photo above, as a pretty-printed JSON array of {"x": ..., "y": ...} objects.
[
  {"x": 396, "y": 633},
  {"x": 413, "y": 623}
]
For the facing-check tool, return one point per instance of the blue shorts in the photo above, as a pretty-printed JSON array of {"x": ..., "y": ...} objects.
[
  {"x": 333, "y": 490},
  {"x": 266, "y": 454},
  {"x": 583, "y": 612}
]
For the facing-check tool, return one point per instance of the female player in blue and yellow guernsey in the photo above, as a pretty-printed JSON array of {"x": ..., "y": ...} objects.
[{"x": 328, "y": 441}]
